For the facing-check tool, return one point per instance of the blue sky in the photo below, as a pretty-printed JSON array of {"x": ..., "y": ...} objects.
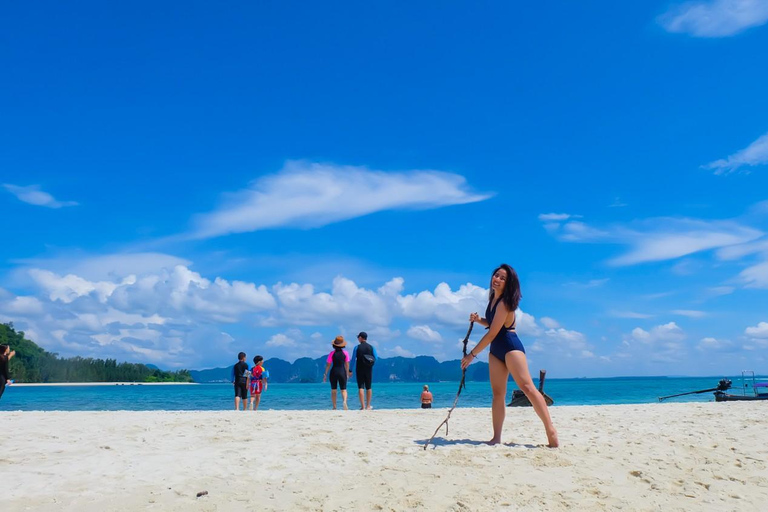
[{"x": 184, "y": 181}]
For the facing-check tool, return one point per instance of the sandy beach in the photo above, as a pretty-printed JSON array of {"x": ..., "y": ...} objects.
[{"x": 704, "y": 456}]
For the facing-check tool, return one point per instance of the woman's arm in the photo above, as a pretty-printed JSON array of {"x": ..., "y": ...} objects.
[
  {"x": 474, "y": 317},
  {"x": 493, "y": 330},
  {"x": 325, "y": 373}
]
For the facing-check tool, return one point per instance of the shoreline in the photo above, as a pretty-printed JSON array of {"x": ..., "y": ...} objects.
[
  {"x": 51, "y": 384},
  {"x": 684, "y": 456}
]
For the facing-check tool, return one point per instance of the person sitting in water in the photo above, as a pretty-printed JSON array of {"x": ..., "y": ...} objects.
[
  {"x": 257, "y": 382},
  {"x": 426, "y": 398},
  {"x": 338, "y": 363}
]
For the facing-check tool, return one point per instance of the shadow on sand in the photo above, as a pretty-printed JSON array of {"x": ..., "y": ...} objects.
[{"x": 440, "y": 441}]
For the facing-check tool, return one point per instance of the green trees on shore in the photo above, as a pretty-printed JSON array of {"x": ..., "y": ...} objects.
[{"x": 34, "y": 364}]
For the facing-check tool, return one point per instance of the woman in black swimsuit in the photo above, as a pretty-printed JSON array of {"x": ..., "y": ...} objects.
[
  {"x": 507, "y": 352},
  {"x": 338, "y": 364}
]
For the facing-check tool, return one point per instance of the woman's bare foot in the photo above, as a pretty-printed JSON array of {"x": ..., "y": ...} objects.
[
  {"x": 345, "y": 406},
  {"x": 369, "y": 408},
  {"x": 493, "y": 442},
  {"x": 552, "y": 437}
]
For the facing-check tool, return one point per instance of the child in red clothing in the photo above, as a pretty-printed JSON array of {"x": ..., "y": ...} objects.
[{"x": 257, "y": 382}]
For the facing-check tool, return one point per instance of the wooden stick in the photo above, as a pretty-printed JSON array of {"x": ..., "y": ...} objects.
[{"x": 462, "y": 385}]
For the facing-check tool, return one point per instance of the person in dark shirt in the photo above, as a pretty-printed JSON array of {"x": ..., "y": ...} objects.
[
  {"x": 363, "y": 358},
  {"x": 240, "y": 380},
  {"x": 5, "y": 355}
]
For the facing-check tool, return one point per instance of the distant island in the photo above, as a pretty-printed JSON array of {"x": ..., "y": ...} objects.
[
  {"x": 393, "y": 369},
  {"x": 33, "y": 364}
]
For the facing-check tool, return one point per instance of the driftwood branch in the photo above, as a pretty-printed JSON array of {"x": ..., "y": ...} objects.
[{"x": 462, "y": 385}]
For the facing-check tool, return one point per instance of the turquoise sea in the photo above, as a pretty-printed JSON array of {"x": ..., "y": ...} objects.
[{"x": 203, "y": 397}]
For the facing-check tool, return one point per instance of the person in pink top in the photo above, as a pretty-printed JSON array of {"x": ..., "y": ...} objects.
[{"x": 338, "y": 364}]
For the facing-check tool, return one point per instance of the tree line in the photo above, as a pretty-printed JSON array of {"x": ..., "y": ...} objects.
[{"x": 34, "y": 364}]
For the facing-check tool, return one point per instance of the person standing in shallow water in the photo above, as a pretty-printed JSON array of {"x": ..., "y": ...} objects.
[{"x": 507, "y": 352}]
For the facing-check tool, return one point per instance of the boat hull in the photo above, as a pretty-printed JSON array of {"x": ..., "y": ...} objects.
[
  {"x": 520, "y": 400},
  {"x": 725, "y": 397}
]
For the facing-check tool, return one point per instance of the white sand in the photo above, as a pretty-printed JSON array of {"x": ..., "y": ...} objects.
[{"x": 709, "y": 456}]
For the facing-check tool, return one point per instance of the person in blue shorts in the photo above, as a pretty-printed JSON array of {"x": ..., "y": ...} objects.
[{"x": 507, "y": 352}]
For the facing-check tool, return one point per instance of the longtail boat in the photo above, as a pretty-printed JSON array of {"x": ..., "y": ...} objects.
[
  {"x": 520, "y": 400},
  {"x": 759, "y": 390}
]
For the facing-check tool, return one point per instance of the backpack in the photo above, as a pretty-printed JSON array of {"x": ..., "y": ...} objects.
[{"x": 365, "y": 355}]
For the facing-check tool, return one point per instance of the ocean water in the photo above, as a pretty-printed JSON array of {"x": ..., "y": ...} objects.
[{"x": 204, "y": 397}]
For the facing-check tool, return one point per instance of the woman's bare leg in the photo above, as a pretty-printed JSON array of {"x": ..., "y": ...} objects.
[
  {"x": 344, "y": 398},
  {"x": 333, "y": 398},
  {"x": 498, "y": 373},
  {"x": 518, "y": 367}
]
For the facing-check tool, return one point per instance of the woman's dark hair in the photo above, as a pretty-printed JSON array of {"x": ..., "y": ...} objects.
[
  {"x": 257, "y": 359},
  {"x": 511, "y": 294},
  {"x": 3, "y": 348}
]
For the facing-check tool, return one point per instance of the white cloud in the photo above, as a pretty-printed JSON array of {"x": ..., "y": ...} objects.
[
  {"x": 444, "y": 306},
  {"x": 661, "y": 238},
  {"x": 617, "y": 203},
  {"x": 670, "y": 332},
  {"x": 736, "y": 252},
  {"x": 35, "y": 196},
  {"x": 306, "y": 195},
  {"x": 690, "y": 313},
  {"x": 70, "y": 287},
  {"x": 174, "y": 317},
  {"x": 715, "y": 18},
  {"x": 710, "y": 344},
  {"x": 549, "y": 323},
  {"x": 753, "y": 155},
  {"x": 758, "y": 331},
  {"x": 280, "y": 340},
  {"x": 662, "y": 344},
  {"x": 592, "y": 283},
  {"x": 23, "y": 306},
  {"x": 556, "y": 217},
  {"x": 679, "y": 237},
  {"x": 755, "y": 276},
  {"x": 718, "y": 291},
  {"x": 563, "y": 342},
  {"x": 629, "y": 314},
  {"x": 398, "y": 351},
  {"x": 424, "y": 333},
  {"x": 300, "y": 304}
]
